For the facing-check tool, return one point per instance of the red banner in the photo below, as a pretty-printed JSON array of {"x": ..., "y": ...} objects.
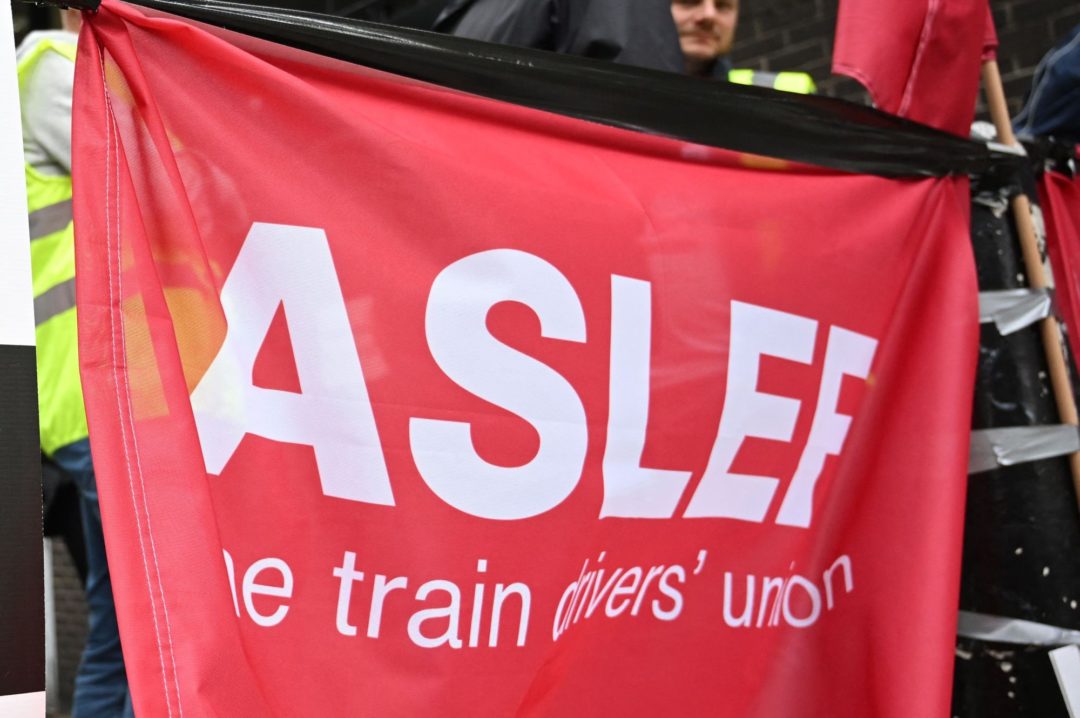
[
  {"x": 1059, "y": 199},
  {"x": 917, "y": 58},
  {"x": 408, "y": 402}
]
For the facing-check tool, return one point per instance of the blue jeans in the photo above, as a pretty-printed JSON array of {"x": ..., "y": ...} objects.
[{"x": 101, "y": 688}]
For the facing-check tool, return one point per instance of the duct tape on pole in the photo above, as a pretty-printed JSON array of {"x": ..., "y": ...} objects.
[
  {"x": 1011, "y": 310},
  {"x": 1019, "y": 580},
  {"x": 1038, "y": 277},
  {"x": 1009, "y": 446},
  {"x": 22, "y": 616}
]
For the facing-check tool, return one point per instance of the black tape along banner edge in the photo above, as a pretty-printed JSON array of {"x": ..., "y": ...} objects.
[{"x": 811, "y": 129}]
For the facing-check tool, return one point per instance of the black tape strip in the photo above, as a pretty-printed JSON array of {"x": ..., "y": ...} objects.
[
  {"x": 1001, "y": 183},
  {"x": 22, "y": 613},
  {"x": 1051, "y": 155},
  {"x": 804, "y": 128}
]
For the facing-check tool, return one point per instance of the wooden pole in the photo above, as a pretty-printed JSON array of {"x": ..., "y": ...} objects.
[{"x": 1049, "y": 329}]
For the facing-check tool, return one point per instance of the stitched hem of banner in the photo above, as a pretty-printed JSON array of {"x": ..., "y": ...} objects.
[{"x": 119, "y": 354}]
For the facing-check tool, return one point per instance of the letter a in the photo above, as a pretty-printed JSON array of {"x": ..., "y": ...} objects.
[{"x": 282, "y": 265}]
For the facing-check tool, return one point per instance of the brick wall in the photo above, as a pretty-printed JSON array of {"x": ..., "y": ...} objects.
[{"x": 798, "y": 34}]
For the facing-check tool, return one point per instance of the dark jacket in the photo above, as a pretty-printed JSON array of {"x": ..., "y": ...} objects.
[
  {"x": 632, "y": 32},
  {"x": 720, "y": 68},
  {"x": 1053, "y": 105}
]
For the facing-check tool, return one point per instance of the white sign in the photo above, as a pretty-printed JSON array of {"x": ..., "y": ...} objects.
[
  {"x": 1067, "y": 669},
  {"x": 16, "y": 294},
  {"x": 23, "y": 705}
]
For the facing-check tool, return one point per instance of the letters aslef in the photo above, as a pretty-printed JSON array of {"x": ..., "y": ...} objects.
[{"x": 292, "y": 267}]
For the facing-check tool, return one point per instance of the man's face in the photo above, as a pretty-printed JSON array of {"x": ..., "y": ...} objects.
[{"x": 706, "y": 27}]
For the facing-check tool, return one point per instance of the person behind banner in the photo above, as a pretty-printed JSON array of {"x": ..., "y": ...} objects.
[
  {"x": 631, "y": 32},
  {"x": 1052, "y": 107},
  {"x": 46, "y": 70},
  {"x": 706, "y": 35}
]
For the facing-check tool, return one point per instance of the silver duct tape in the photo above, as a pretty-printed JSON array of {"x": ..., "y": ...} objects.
[
  {"x": 992, "y": 448},
  {"x": 1017, "y": 149},
  {"x": 983, "y": 131},
  {"x": 1000, "y": 629},
  {"x": 1014, "y": 309},
  {"x": 997, "y": 202}
]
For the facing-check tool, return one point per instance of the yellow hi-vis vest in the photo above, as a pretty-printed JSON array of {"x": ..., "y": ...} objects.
[
  {"x": 798, "y": 82},
  {"x": 52, "y": 256}
]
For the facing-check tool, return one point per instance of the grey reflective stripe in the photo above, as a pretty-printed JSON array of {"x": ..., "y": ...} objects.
[
  {"x": 1001, "y": 629},
  {"x": 1013, "y": 309},
  {"x": 52, "y": 218},
  {"x": 763, "y": 79},
  {"x": 55, "y": 301},
  {"x": 991, "y": 448}
]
